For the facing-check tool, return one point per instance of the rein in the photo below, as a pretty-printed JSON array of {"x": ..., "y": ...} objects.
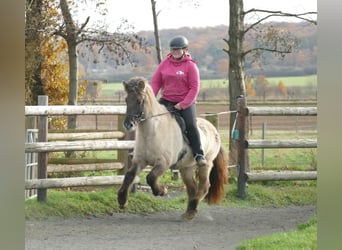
[
  {"x": 141, "y": 118},
  {"x": 152, "y": 116}
]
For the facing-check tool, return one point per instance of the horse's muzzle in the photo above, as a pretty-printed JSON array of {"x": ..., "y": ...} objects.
[{"x": 129, "y": 124}]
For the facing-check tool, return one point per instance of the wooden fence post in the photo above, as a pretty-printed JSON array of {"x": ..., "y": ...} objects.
[
  {"x": 242, "y": 145},
  {"x": 43, "y": 156},
  {"x": 127, "y": 155},
  {"x": 263, "y": 157}
]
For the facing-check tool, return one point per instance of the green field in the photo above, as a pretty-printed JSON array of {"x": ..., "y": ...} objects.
[{"x": 289, "y": 81}]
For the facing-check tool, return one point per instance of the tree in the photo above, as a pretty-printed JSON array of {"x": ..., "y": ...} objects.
[
  {"x": 35, "y": 16},
  {"x": 273, "y": 42},
  {"x": 54, "y": 71},
  {"x": 282, "y": 88},
  {"x": 119, "y": 44},
  {"x": 261, "y": 85},
  {"x": 156, "y": 31},
  {"x": 155, "y": 14}
]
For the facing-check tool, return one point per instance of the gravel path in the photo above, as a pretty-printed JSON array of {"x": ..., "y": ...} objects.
[{"x": 214, "y": 227}]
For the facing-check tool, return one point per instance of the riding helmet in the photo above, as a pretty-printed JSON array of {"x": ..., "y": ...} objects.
[{"x": 179, "y": 42}]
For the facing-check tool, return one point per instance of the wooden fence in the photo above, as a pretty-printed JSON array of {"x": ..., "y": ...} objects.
[
  {"x": 118, "y": 140},
  {"x": 85, "y": 141},
  {"x": 244, "y": 144}
]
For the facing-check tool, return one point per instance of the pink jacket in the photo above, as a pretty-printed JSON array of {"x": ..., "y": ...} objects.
[{"x": 179, "y": 80}]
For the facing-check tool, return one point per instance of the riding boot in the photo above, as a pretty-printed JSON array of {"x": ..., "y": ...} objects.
[{"x": 200, "y": 160}]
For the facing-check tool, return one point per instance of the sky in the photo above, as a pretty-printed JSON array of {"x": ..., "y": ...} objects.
[{"x": 208, "y": 13}]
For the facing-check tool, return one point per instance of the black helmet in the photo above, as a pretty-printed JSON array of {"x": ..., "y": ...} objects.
[{"x": 179, "y": 42}]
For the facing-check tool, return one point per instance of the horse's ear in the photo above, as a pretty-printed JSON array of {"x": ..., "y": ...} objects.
[
  {"x": 141, "y": 84},
  {"x": 124, "y": 83}
]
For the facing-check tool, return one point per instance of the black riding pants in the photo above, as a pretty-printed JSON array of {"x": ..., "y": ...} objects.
[{"x": 189, "y": 116}]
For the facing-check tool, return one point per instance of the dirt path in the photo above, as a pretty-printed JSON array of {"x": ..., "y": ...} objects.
[{"x": 213, "y": 228}]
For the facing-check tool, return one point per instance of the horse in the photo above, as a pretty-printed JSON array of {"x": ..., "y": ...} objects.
[{"x": 160, "y": 143}]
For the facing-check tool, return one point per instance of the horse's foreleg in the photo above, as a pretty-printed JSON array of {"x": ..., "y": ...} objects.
[
  {"x": 152, "y": 180},
  {"x": 126, "y": 185}
]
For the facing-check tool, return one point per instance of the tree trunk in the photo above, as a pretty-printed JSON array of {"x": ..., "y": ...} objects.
[
  {"x": 33, "y": 39},
  {"x": 236, "y": 66},
  {"x": 71, "y": 38},
  {"x": 73, "y": 83},
  {"x": 156, "y": 31}
]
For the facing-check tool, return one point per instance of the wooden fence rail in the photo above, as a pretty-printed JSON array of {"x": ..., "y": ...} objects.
[
  {"x": 62, "y": 146},
  {"x": 62, "y": 168},
  {"x": 60, "y": 142},
  {"x": 282, "y": 176},
  {"x": 244, "y": 144},
  {"x": 291, "y": 143},
  {"x": 85, "y": 136},
  {"x": 282, "y": 111},
  {"x": 74, "y": 110},
  {"x": 75, "y": 182}
]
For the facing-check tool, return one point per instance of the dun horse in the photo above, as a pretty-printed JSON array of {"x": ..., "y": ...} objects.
[{"x": 160, "y": 144}]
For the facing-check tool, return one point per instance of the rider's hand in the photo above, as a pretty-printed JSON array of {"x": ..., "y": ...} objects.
[{"x": 177, "y": 106}]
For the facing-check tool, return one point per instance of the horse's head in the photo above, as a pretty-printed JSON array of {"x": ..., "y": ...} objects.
[{"x": 135, "y": 89}]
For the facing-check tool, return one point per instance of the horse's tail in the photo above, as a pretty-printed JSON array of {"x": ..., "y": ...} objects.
[{"x": 218, "y": 177}]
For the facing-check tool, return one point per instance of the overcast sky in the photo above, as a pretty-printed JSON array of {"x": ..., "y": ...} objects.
[{"x": 208, "y": 13}]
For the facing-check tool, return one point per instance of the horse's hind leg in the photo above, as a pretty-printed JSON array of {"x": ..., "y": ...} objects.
[
  {"x": 128, "y": 180},
  {"x": 196, "y": 192},
  {"x": 203, "y": 182},
  {"x": 152, "y": 180},
  {"x": 191, "y": 189}
]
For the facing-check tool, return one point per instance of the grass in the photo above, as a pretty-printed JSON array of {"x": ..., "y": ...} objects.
[
  {"x": 294, "y": 81},
  {"x": 98, "y": 202},
  {"x": 289, "y": 81},
  {"x": 101, "y": 201},
  {"x": 304, "y": 237}
]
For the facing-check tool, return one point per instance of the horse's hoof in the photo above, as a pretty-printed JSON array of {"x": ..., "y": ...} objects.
[
  {"x": 123, "y": 206},
  {"x": 189, "y": 215},
  {"x": 122, "y": 202},
  {"x": 165, "y": 191},
  {"x": 161, "y": 192}
]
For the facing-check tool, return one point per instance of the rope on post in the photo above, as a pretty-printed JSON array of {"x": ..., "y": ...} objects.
[{"x": 242, "y": 125}]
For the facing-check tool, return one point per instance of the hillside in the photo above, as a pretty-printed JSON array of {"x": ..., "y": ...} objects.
[{"x": 206, "y": 47}]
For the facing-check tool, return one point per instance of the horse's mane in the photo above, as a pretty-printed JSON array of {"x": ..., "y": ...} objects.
[{"x": 155, "y": 106}]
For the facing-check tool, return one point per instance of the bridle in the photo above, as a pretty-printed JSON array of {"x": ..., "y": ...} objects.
[{"x": 141, "y": 116}]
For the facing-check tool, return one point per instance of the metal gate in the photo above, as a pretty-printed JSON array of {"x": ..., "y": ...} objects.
[{"x": 31, "y": 162}]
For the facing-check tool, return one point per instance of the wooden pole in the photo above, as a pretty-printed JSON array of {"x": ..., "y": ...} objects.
[
  {"x": 43, "y": 156},
  {"x": 282, "y": 175},
  {"x": 125, "y": 156},
  {"x": 76, "y": 182},
  {"x": 242, "y": 145},
  {"x": 263, "y": 150}
]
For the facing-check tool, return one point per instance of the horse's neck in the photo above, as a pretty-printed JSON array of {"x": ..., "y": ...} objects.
[{"x": 157, "y": 119}]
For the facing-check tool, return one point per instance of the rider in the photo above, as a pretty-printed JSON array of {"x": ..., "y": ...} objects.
[{"x": 178, "y": 78}]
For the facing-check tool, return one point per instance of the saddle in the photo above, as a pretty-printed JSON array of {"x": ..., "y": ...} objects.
[{"x": 180, "y": 121}]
